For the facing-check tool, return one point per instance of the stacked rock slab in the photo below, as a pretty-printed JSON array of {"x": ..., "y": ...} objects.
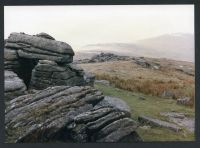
[
  {"x": 49, "y": 73},
  {"x": 38, "y": 47},
  {"x": 14, "y": 86},
  {"x": 11, "y": 61},
  {"x": 66, "y": 114},
  {"x": 41, "y": 61}
]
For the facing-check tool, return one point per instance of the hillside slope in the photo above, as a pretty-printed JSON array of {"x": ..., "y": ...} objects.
[{"x": 171, "y": 46}]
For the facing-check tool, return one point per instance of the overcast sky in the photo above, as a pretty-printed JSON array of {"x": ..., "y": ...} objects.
[{"x": 81, "y": 25}]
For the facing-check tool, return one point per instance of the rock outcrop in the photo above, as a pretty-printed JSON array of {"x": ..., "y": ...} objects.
[
  {"x": 103, "y": 57},
  {"x": 49, "y": 73},
  {"x": 41, "y": 61},
  {"x": 13, "y": 86},
  {"x": 38, "y": 47},
  {"x": 66, "y": 114},
  {"x": 48, "y": 97},
  {"x": 187, "y": 71},
  {"x": 146, "y": 64}
]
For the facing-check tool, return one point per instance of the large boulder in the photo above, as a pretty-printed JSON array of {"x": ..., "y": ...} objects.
[
  {"x": 114, "y": 102},
  {"x": 49, "y": 73},
  {"x": 40, "y": 47},
  {"x": 66, "y": 114},
  {"x": 41, "y": 61},
  {"x": 14, "y": 86}
]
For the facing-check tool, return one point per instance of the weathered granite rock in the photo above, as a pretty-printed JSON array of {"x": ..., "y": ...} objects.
[
  {"x": 41, "y": 61},
  {"x": 89, "y": 78},
  {"x": 181, "y": 119},
  {"x": 186, "y": 71},
  {"x": 11, "y": 60},
  {"x": 173, "y": 115},
  {"x": 40, "y": 47},
  {"x": 66, "y": 114},
  {"x": 168, "y": 94},
  {"x": 45, "y": 35},
  {"x": 159, "y": 123},
  {"x": 114, "y": 102},
  {"x": 184, "y": 101},
  {"x": 146, "y": 64},
  {"x": 14, "y": 86},
  {"x": 49, "y": 73},
  {"x": 105, "y": 57}
]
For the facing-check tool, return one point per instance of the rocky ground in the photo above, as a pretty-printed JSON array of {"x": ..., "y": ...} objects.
[{"x": 50, "y": 99}]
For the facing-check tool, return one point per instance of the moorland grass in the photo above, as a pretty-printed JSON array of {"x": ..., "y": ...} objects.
[{"x": 151, "y": 106}]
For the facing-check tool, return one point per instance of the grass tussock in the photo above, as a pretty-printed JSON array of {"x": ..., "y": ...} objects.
[{"x": 151, "y": 87}]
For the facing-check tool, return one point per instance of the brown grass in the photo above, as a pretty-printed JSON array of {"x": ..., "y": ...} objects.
[
  {"x": 152, "y": 87},
  {"x": 129, "y": 76}
]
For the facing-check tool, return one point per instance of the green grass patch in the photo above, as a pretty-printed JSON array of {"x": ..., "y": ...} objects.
[{"x": 151, "y": 106}]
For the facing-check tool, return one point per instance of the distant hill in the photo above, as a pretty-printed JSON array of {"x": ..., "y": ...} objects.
[{"x": 176, "y": 46}]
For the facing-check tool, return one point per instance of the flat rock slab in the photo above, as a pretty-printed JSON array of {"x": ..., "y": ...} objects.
[
  {"x": 103, "y": 82},
  {"x": 66, "y": 114},
  {"x": 115, "y": 102},
  {"x": 173, "y": 114},
  {"x": 159, "y": 123},
  {"x": 181, "y": 119}
]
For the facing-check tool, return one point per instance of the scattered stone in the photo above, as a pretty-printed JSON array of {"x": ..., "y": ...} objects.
[
  {"x": 142, "y": 62},
  {"x": 159, "y": 123},
  {"x": 184, "y": 101},
  {"x": 168, "y": 94},
  {"x": 102, "y": 82},
  {"x": 181, "y": 119},
  {"x": 146, "y": 64},
  {"x": 103, "y": 57},
  {"x": 145, "y": 127},
  {"x": 187, "y": 122},
  {"x": 66, "y": 114},
  {"x": 14, "y": 86},
  {"x": 173, "y": 115},
  {"x": 187, "y": 71}
]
